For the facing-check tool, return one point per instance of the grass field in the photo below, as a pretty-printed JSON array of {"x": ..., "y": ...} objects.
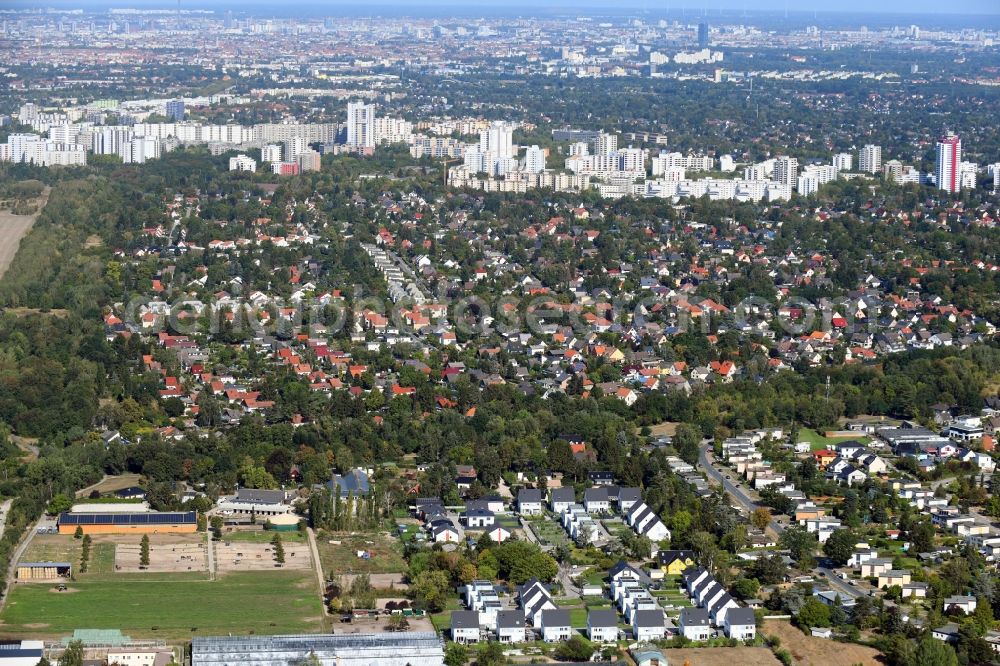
[
  {"x": 263, "y": 536},
  {"x": 168, "y": 609},
  {"x": 818, "y": 441},
  {"x": 342, "y": 557}
]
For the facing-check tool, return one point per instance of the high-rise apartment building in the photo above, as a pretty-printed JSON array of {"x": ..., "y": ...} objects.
[
  {"x": 843, "y": 161},
  {"x": 271, "y": 153},
  {"x": 361, "y": 124},
  {"x": 534, "y": 160},
  {"x": 947, "y": 166},
  {"x": 174, "y": 110},
  {"x": 497, "y": 138},
  {"x": 871, "y": 158},
  {"x": 786, "y": 170}
]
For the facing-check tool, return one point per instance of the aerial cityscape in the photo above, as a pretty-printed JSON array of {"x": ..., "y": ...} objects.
[{"x": 478, "y": 333}]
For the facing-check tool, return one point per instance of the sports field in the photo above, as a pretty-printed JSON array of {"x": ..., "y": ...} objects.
[{"x": 276, "y": 602}]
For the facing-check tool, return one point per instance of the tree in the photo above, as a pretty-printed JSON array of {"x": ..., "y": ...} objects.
[
  {"x": 745, "y": 588},
  {"x": 43, "y": 662},
  {"x": 78, "y": 532},
  {"x": 840, "y": 546},
  {"x": 800, "y": 544},
  {"x": 932, "y": 652},
  {"x": 456, "y": 654},
  {"x": 279, "y": 549},
  {"x": 814, "y": 613},
  {"x": 430, "y": 590},
  {"x": 59, "y": 504},
  {"x": 760, "y": 518},
  {"x": 144, "y": 551},
  {"x": 769, "y": 570},
  {"x": 490, "y": 654},
  {"x": 686, "y": 441},
  {"x": 72, "y": 655},
  {"x": 577, "y": 648}
]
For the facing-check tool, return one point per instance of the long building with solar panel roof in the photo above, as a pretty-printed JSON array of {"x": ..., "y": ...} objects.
[{"x": 150, "y": 522}]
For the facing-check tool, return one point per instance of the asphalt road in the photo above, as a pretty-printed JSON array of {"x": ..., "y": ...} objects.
[
  {"x": 839, "y": 585},
  {"x": 706, "y": 459}
]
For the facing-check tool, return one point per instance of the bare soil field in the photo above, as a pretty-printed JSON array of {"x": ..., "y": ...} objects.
[
  {"x": 810, "y": 651},
  {"x": 665, "y": 429},
  {"x": 112, "y": 483},
  {"x": 163, "y": 557},
  {"x": 717, "y": 656},
  {"x": 248, "y": 556},
  {"x": 12, "y": 230}
]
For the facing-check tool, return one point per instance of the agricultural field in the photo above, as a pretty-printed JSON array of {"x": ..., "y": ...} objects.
[
  {"x": 171, "y": 610},
  {"x": 338, "y": 553}
]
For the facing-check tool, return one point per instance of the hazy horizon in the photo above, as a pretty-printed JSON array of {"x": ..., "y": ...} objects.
[{"x": 654, "y": 7}]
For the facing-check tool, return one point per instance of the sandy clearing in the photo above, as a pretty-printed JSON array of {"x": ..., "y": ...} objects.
[{"x": 12, "y": 230}]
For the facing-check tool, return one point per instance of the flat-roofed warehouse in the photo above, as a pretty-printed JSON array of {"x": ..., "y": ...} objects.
[
  {"x": 129, "y": 523},
  {"x": 384, "y": 649}
]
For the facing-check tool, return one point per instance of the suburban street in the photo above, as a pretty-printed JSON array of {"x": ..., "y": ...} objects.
[{"x": 707, "y": 461}]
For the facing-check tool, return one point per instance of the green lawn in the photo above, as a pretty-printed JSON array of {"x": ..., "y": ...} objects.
[
  {"x": 272, "y": 602},
  {"x": 818, "y": 441},
  {"x": 263, "y": 536}
]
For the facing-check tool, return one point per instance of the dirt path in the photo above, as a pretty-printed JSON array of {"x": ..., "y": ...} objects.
[
  {"x": 317, "y": 565},
  {"x": 13, "y": 228}
]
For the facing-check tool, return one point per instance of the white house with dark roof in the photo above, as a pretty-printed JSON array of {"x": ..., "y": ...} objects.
[
  {"x": 510, "y": 626},
  {"x": 534, "y": 598},
  {"x": 740, "y": 624},
  {"x": 602, "y": 626},
  {"x": 694, "y": 624},
  {"x": 596, "y": 500},
  {"x": 964, "y": 603},
  {"x": 561, "y": 499},
  {"x": 556, "y": 625},
  {"x": 465, "y": 627},
  {"x": 529, "y": 502},
  {"x": 649, "y": 625}
]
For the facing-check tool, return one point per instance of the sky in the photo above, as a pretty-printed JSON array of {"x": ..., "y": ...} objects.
[{"x": 898, "y": 7}]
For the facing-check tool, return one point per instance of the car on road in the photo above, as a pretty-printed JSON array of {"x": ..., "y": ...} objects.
[{"x": 728, "y": 477}]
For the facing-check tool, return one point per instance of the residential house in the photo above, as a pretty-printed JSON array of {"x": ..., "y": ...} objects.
[
  {"x": 674, "y": 562},
  {"x": 596, "y": 500},
  {"x": 529, "y": 502},
  {"x": 648, "y": 625},
  {"x": 741, "y": 624},
  {"x": 556, "y": 625},
  {"x": 498, "y": 533},
  {"x": 602, "y": 626},
  {"x": 479, "y": 518},
  {"x": 465, "y": 626},
  {"x": 534, "y": 598},
  {"x": 510, "y": 626},
  {"x": 694, "y": 624},
  {"x": 561, "y": 499},
  {"x": 964, "y": 603},
  {"x": 893, "y": 577}
]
